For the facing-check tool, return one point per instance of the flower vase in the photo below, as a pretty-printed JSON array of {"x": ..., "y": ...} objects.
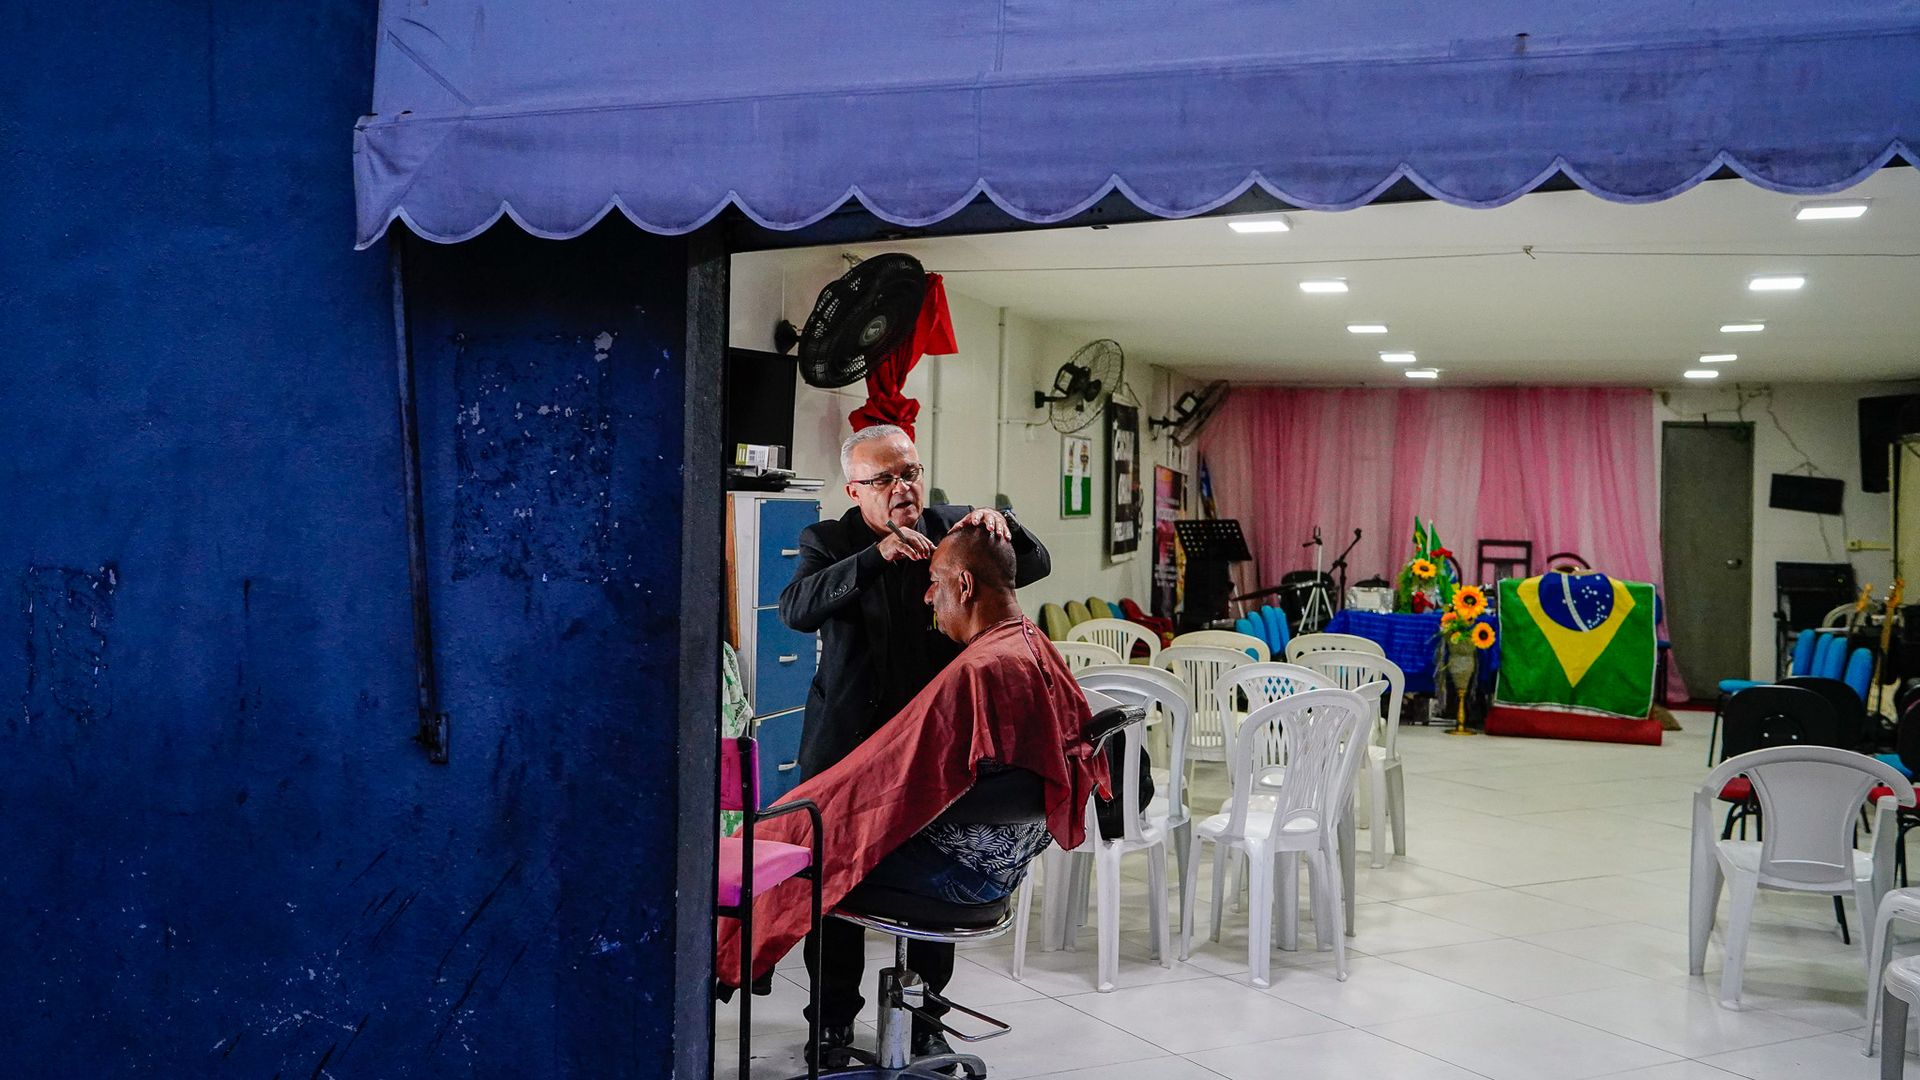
[{"x": 1459, "y": 670}]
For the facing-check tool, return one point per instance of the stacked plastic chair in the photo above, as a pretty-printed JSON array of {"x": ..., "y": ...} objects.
[
  {"x": 1162, "y": 626},
  {"x": 1054, "y": 621},
  {"x": 1816, "y": 656},
  {"x": 1269, "y": 624}
]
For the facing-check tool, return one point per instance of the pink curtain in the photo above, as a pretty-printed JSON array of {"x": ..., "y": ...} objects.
[{"x": 1569, "y": 469}]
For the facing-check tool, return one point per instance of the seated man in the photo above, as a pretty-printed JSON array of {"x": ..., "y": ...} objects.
[{"x": 1007, "y": 701}]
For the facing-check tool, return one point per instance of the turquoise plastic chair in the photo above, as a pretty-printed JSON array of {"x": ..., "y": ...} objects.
[
  {"x": 1859, "y": 674},
  {"x": 1245, "y": 626},
  {"x": 1830, "y": 659},
  {"x": 1803, "y": 652},
  {"x": 1277, "y": 635}
]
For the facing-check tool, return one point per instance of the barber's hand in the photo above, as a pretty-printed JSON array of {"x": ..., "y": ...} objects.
[
  {"x": 991, "y": 520},
  {"x": 905, "y": 544}
]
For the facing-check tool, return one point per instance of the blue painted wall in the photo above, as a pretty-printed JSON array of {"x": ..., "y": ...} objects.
[{"x": 222, "y": 856}]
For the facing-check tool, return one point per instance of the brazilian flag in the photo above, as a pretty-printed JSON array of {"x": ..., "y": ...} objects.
[{"x": 1577, "y": 641}]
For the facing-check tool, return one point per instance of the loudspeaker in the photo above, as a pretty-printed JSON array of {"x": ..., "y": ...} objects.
[{"x": 1882, "y": 420}]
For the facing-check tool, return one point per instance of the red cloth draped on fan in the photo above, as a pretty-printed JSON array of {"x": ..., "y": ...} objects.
[{"x": 932, "y": 336}]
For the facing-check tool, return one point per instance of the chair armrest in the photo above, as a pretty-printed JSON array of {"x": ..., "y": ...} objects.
[{"x": 797, "y": 806}]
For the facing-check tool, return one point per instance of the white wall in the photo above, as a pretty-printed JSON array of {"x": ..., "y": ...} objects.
[
  {"x": 1823, "y": 421},
  {"x": 979, "y": 434}
]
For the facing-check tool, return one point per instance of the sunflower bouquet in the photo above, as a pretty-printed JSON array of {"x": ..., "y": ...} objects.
[
  {"x": 1426, "y": 583},
  {"x": 1461, "y": 627}
]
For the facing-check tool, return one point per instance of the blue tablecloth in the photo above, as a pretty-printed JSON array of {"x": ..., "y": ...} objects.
[{"x": 1410, "y": 641}]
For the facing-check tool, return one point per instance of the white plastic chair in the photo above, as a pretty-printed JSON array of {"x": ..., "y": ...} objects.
[
  {"x": 1386, "y": 785},
  {"x": 1200, "y": 668},
  {"x": 1256, "y": 685},
  {"x": 1139, "y": 832},
  {"x": 1324, "y": 732},
  {"x": 1809, "y": 798},
  {"x": 1120, "y": 635},
  {"x": 1165, "y": 698},
  {"x": 1081, "y": 655},
  {"x": 1261, "y": 684},
  {"x": 1311, "y": 643},
  {"x": 1901, "y": 904},
  {"x": 1255, "y": 648}
]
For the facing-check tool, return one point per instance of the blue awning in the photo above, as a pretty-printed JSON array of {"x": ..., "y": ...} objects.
[{"x": 557, "y": 113}]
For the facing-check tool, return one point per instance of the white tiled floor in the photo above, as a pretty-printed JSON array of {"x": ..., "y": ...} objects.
[{"x": 1536, "y": 930}]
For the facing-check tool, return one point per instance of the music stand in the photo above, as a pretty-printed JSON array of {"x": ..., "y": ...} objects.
[{"x": 1212, "y": 547}]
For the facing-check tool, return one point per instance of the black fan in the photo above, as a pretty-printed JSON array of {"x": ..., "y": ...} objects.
[
  {"x": 1083, "y": 384},
  {"x": 1192, "y": 411},
  {"x": 858, "y": 320}
]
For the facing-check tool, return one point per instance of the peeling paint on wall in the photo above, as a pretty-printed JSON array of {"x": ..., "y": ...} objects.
[
  {"x": 533, "y": 456},
  {"x": 68, "y": 615}
]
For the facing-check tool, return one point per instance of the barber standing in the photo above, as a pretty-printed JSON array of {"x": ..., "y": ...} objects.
[{"x": 862, "y": 586}]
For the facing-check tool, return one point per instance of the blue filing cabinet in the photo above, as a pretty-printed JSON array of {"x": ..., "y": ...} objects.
[{"x": 776, "y": 663}]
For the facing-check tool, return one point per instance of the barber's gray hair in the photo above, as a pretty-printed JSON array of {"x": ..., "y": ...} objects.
[{"x": 865, "y": 435}]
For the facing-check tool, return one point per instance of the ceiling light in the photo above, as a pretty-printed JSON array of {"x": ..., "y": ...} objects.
[
  {"x": 1397, "y": 357},
  {"x": 1743, "y": 327},
  {"x": 1270, "y": 223},
  {"x": 1333, "y": 285},
  {"x": 1703, "y": 373},
  {"x": 1831, "y": 210},
  {"x": 1367, "y": 328},
  {"x": 1719, "y": 358},
  {"x": 1777, "y": 283},
  {"x": 1423, "y": 373}
]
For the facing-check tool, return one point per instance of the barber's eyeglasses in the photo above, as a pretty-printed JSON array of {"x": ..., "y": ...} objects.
[{"x": 910, "y": 474}]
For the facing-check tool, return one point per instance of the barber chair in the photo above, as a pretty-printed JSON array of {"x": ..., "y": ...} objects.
[{"x": 1007, "y": 797}]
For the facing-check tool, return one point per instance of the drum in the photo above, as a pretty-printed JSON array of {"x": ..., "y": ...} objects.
[{"x": 1296, "y": 590}]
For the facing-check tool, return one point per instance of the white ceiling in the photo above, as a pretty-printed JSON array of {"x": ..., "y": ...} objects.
[{"x": 1455, "y": 287}]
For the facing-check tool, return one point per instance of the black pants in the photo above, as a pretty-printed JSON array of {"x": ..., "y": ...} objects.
[{"x": 844, "y": 959}]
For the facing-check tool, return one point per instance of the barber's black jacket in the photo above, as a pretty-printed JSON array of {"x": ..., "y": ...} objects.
[{"x": 878, "y": 644}]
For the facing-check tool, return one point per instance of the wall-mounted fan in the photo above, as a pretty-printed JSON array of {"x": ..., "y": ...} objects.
[
  {"x": 857, "y": 320},
  {"x": 1191, "y": 412},
  {"x": 1082, "y": 385}
]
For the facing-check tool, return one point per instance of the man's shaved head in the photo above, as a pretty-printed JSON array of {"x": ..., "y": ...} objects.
[
  {"x": 975, "y": 549},
  {"x": 970, "y": 582}
]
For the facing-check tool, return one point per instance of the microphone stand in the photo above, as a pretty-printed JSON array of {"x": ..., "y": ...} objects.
[{"x": 1340, "y": 564}]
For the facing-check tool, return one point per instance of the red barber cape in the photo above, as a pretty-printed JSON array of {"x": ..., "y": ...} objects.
[{"x": 1007, "y": 698}]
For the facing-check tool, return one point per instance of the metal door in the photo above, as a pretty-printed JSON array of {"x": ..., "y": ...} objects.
[{"x": 1706, "y": 540}]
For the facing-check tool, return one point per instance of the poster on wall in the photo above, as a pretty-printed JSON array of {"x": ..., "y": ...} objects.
[
  {"x": 1076, "y": 476},
  {"x": 1169, "y": 499},
  {"x": 1124, "y": 511}
]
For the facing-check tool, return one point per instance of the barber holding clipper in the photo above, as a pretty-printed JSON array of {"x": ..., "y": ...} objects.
[{"x": 862, "y": 585}]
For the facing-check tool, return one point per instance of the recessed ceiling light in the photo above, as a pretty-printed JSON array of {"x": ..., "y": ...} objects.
[
  {"x": 1423, "y": 373},
  {"x": 1777, "y": 283},
  {"x": 1743, "y": 327},
  {"x": 1397, "y": 357},
  {"x": 1331, "y": 285},
  {"x": 1830, "y": 210},
  {"x": 1267, "y": 223},
  {"x": 1703, "y": 373},
  {"x": 1719, "y": 358},
  {"x": 1367, "y": 328}
]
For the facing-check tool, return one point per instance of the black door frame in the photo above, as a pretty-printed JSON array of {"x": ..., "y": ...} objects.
[{"x": 709, "y": 254}]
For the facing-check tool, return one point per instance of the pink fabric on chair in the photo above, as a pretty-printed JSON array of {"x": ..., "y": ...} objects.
[
  {"x": 730, "y": 774},
  {"x": 773, "y": 863},
  {"x": 1570, "y": 468}
]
